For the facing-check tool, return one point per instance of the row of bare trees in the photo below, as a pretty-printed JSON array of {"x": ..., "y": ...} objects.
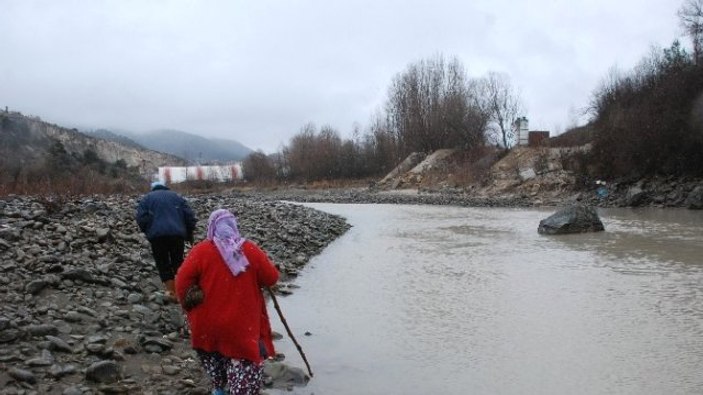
[
  {"x": 322, "y": 154},
  {"x": 433, "y": 105},
  {"x": 430, "y": 105}
]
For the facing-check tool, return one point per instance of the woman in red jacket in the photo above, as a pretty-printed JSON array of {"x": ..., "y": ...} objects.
[{"x": 230, "y": 329}]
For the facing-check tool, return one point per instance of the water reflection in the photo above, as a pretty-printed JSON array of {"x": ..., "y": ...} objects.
[{"x": 421, "y": 300}]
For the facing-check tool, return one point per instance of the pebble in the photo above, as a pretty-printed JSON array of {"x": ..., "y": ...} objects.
[
  {"x": 104, "y": 372},
  {"x": 22, "y": 375}
]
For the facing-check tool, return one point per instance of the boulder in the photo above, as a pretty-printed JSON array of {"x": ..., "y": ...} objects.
[
  {"x": 36, "y": 286},
  {"x": 694, "y": 200},
  {"x": 636, "y": 196},
  {"x": 281, "y": 375},
  {"x": 572, "y": 219},
  {"x": 527, "y": 174}
]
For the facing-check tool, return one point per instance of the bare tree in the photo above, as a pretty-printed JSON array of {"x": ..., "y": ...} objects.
[
  {"x": 691, "y": 16},
  {"x": 503, "y": 104},
  {"x": 299, "y": 154},
  {"x": 381, "y": 149},
  {"x": 430, "y": 106},
  {"x": 259, "y": 167},
  {"x": 328, "y": 146}
]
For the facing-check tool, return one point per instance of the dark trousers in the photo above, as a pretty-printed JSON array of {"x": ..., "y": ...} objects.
[{"x": 168, "y": 255}]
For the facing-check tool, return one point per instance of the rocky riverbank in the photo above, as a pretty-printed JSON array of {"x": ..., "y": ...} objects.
[{"x": 83, "y": 310}]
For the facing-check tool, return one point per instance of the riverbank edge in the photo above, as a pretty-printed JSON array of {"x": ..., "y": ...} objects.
[{"x": 654, "y": 192}]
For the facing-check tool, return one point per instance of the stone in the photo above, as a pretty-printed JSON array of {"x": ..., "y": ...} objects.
[
  {"x": 282, "y": 375},
  {"x": 77, "y": 274},
  {"x": 95, "y": 348},
  {"x": 4, "y": 323},
  {"x": 42, "y": 330},
  {"x": 164, "y": 343},
  {"x": 38, "y": 362},
  {"x": 58, "y": 371},
  {"x": 103, "y": 234},
  {"x": 170, "y": 370},
  {"x": 73, "y": 390},
  {"x": 9, "y": 335},
  {"x": 73, "y": 316},
  {"x": 118, "y": 283},
  {"x": 116, "y": 389},
  {"x": 36, "y": 286},
  {"x": 134, "y": 298},
  {"x": 104, "y": 372},
  {"x": 58, "y": 344},
  {"x": 636, "y": 196},
  {"x": 96, "y": 339},
  {"x": 141, "y": 309},
  {"x": 22, "y": 375},
  {"x": 527, "y": 174},
  {"x": 572, "y": 219},
  {"x": 694, "y": 200}
]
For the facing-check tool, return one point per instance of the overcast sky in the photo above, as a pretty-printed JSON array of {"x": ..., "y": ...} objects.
[{"x": 256, "y": 71}]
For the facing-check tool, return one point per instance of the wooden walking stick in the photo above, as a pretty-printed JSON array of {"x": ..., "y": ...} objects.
[{"x": 285, "y": 324}]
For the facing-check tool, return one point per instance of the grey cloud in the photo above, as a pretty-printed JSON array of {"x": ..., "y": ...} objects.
[{"x": 259, "y": 70}]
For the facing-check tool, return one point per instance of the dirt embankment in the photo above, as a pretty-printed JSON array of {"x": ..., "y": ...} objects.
[{"x": 525, "y": 176}]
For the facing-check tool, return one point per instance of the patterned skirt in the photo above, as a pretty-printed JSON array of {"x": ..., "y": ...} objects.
[{"x": 238, "y": 376}]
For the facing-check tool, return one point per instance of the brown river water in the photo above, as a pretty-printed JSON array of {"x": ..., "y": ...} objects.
[{"x": 450, "y": 300}]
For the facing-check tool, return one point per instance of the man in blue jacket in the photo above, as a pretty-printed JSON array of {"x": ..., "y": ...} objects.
[{"x": 167, "y": 221}]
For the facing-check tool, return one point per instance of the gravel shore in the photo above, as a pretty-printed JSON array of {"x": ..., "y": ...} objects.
[{"x": 83, "y": 309}]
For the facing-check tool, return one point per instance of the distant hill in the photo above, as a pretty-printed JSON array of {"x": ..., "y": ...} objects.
[
  {"x": 29, "y": 139},
  {"x": 192, "y": 148},
  {"x": 37, "y": 155}
]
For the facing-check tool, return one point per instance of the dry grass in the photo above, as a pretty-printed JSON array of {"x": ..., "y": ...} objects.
[
  {"x": 462, "y": 169},
  {"x": 73, "y": 186}
]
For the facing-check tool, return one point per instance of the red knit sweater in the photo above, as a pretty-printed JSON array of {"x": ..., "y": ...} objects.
[{"x": 232, "y": 318}]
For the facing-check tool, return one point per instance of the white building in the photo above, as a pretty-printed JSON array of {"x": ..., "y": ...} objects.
[
  {"x": 522, "y": 131},
  {"x": 175, "y": 174}
]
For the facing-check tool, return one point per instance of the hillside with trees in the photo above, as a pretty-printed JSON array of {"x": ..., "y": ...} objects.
[
  {"x": 39, "y": 157},
  {"x": 649, "y": 121}
]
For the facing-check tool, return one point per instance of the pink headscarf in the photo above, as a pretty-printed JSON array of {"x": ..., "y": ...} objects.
[{"x": 222, "y": 230}]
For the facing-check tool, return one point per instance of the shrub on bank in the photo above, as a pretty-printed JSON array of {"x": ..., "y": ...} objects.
[{"x": 650, "y": 121}]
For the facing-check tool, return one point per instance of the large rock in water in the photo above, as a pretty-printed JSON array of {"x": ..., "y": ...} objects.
[
  {"x": 694, "y": 200},
  {"x": 573, "y": 219}
]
